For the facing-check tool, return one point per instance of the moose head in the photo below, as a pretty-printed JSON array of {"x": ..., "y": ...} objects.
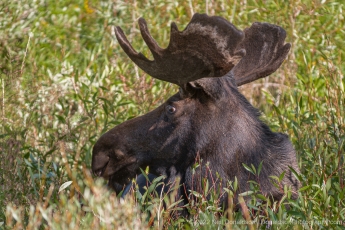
[{"x": 208, "y": 119}]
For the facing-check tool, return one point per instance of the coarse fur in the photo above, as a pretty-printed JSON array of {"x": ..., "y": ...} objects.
[{"x": 210, "y": 122}]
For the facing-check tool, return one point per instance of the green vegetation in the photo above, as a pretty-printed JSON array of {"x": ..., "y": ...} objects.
[{"x": 65, "y": 81}]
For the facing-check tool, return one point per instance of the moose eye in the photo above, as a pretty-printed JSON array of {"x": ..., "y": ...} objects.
[{"x": 170, "y": 109}]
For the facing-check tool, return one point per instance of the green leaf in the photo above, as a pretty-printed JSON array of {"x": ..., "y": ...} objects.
[
  {"x": 299, "y": 215},
  {"x": 235, "y": 184},
  {"x": 328, "y": 184},
  {"x": 249, "y": 169},
  {"x": 259, "y": 168},
  {"x": 65, "y": 185},
  {"x": 262, "y": 197},
  {"x": 281, "y": 176},
  {"x": 253, "y": 168},
  {"x": 304, "y": 188},
  {"x": 247, "y": 193},
  {"x": 174, "y": 204}
]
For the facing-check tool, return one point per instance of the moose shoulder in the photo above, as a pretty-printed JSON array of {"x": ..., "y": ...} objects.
[{"x": 208, "y": 119}]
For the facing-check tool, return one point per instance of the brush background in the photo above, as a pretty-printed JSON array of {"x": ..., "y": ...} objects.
[{"x": 65, "y": 81}]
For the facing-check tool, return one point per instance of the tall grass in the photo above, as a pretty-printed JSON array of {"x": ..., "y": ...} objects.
[{"x": 65, "y": 81}]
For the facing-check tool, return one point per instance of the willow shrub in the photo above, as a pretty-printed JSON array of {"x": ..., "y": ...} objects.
[{"x": 65, "y": 81}]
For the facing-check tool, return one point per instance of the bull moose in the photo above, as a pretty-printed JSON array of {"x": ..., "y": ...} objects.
[{"x": 208, "y": 119}]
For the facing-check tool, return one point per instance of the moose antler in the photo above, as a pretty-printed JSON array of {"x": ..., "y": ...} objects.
[
  {"x": 265, "y": 52},
  {"x": 206, "y": 48},
  {"x": 211, "y": 47}
]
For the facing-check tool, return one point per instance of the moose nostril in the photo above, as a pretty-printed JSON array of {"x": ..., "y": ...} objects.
[
  {"x": 99, "y": 172},
  {"x": 99, "y": 163}
]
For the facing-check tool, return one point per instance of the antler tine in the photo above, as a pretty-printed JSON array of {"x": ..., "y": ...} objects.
[
  {"x": 151, "y": 43},
  {"x": 265, "y": 52},
  {"x": 137, "y": 58},
  {"x": 206, "y": 48}
]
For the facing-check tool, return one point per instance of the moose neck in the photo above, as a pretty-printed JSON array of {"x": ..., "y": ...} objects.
[
  {"x": 240, "y": 131},
  {"x": 241, "y": 138}
]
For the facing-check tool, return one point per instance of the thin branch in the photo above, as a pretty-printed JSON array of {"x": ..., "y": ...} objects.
[{"x": 26, "y": 51}]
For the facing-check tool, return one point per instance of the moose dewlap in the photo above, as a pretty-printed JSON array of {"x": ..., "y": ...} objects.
[{"x": 208, "y": 120}]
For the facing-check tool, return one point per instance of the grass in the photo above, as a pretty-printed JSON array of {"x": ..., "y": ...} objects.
[{"x": 65, "y": 81}]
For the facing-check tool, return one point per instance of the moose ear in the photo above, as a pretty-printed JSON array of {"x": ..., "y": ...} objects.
[
  {"x": 212, "y": 87},
  {"x": 265, "y": 52}
]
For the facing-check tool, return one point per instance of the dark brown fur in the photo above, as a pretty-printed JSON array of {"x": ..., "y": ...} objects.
[{"x": 211, "y": 121}]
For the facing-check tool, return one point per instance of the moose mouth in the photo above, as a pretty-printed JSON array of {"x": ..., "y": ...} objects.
[
  {"x": 121, "y": 179},
  {"x": 110, "y": 168},
  {"x": 100, "y": 172}
]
